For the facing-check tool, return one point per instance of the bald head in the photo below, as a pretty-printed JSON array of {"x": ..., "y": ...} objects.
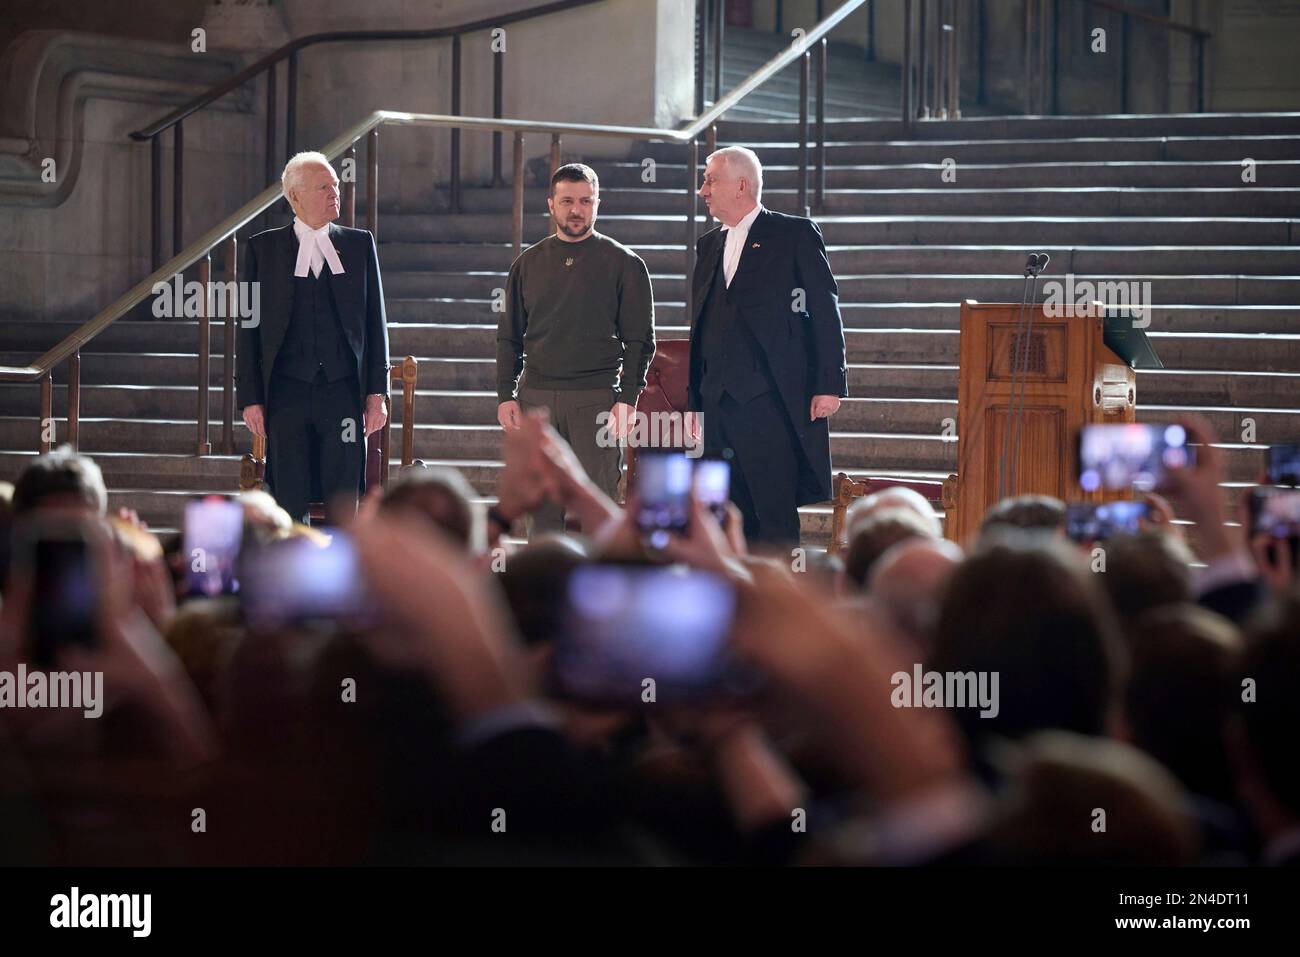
[
  {"x": 908, "y": 580},
  {"x": 896, "y": 496}
]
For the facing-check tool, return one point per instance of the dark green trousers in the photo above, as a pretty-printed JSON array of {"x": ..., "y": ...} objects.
[{"x": 574, "y": 415}]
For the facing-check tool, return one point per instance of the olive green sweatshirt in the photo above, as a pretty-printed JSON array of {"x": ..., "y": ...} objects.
[{"x": 576, "y": 315}]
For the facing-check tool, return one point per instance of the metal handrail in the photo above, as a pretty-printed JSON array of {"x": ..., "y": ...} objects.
[
  {"x": 1151, "y": 18},
  {"x": 1197, "y": 35},
  {"x": 289, "y": 52},
  {"x": 341, "y": 36},
  {"x": 201, "y": 249}
]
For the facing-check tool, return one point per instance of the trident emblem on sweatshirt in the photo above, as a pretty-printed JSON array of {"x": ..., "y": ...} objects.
[{"x": 569, "y": 261}]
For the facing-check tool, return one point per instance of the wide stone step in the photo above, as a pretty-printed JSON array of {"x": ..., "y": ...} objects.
[
  {"x": 1094, "y": 260},
  {"x": 934, "y": 381},
  {"x": 1151, "y": 149},
  {"x": 904, "y": 229},
  {"x": 147, "y": 470},
  {"x": 1028, "y": 128},
  {"x": 956, "y": 199},
  {"x": 919, "y": 287},
  {"x": 1141, "y": 174},
  {"x": 1244, "y": 320},
  {"x": 1262, "y": 353},
  {"x": 895, "y": 315},
  {"x": 931, "y": 451}
]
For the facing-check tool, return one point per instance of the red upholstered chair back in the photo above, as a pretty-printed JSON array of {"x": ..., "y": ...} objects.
[
  {"x": 665, "y": 390},
  {"x": 667, "y": 378}
]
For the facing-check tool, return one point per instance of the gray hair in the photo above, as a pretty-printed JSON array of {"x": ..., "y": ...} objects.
[
  {"x": 745, "y": 162},
  {"x": 292, "y": 174}
]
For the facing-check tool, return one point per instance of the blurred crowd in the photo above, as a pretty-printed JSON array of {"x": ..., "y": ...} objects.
[{"x": 1148, "y": 690}]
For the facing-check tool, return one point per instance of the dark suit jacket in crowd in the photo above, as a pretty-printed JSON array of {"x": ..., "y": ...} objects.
[
  {"x": 269, "y": 260},
  {"x": 804, "y": 349}
]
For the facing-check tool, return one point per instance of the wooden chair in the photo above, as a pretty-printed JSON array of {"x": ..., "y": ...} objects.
[
  {"x": 252, "y": 467},
  {"x": 847, "y": 489},
  {"x": 666, "y": 384}
]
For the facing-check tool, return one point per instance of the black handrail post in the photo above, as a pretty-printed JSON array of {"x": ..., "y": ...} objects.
[
  {"x": 780, "y": 16},
  {"x": 43, "y": 444},
  {"x": 270, "y": 124},
  {"x": 498, "y": 83},
  {"x": 1200, "y": 73},
  {"x": 155, "y": 198},
  {"x": 871, "y": 31},
  {"x": 1056, "y": 57},
  {"x": 517, "y": 209},
  {"x": 291, "y": 108},
  {"x": 349, "y": 197},
  {"x": 1123, "y": 63},
  {"x": 455, "y": 132},
  {"x": 937, "y": 73},
  {"x": 710, "y": 147},
  {"x": 701, "y": 44},
  {"x": 692, "y": 175},
  {"x": 822, "y": 53},
  {"x": 954, "y": 73},
  {"x": 204, "y": 447},
  {"x": 922, "y": 65},
  {"x": 804, "y": 62},
  {"x": 74, "y": 400},
  {"x": 555, "y": 158},
  {"x": 906, "y": 85},
  {"x": 372, "y": 182},
  {"x": 178, "y": 186},
  {"x": 719, "y": 14},
  {"x": 228, "y": 365}
]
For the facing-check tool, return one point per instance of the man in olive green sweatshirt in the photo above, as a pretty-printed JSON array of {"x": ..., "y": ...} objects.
[{"x": 579, "y": 323}]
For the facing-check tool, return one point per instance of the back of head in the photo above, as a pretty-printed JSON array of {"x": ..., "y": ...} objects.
[
  {"x": 908, "y": 582},
  {"x": 1272, "y": 714},
  {"x": 1180, "y": 692},
  {"x": 1145, "y": 571},
  {"x": 441, "y": 495},
  {"x": 896, "y": 496},
  {"x": 1029, "y": 513},
  {"x": 61, "y": 479},
  {"x": 534, "y": 580},
  {"x": 1025, "y": 607},
  {"x": 879, "y": 532},
  {"x": 1073, "y": 799}
]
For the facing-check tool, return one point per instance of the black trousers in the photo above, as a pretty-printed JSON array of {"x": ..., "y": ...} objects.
[
  {"x": 764, "y": 466},
  {"x": 316, "y": 443}
]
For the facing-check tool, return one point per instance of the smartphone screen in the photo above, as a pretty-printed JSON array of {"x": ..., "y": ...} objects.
[
  {"x": 213, "y": 533},
  {"x": 1275, "y": 512},
  {"x": 1284, "y": 464},
  {"x": 663, "y": 492},
  {"x": 65, "y": 588},
  {"x": 1131, "y": 456},
  {"x": 712, "y": 480},
  {"x": 297, "y": 582},
  {"x": 630, "y": 628},
  {"x": 1095, "y": 523}
]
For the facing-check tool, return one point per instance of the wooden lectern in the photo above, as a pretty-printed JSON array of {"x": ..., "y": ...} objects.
[{"x": 1071, "y": 378}]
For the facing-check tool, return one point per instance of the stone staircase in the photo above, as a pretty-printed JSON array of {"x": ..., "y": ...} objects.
[{"x": 1157, "y": 198}]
